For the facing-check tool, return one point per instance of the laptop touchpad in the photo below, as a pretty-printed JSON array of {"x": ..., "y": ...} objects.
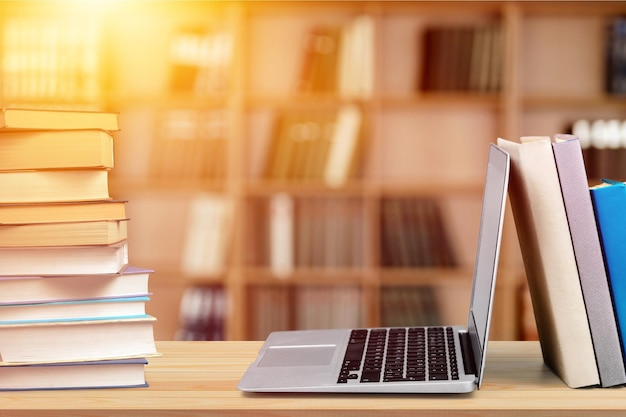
[{"x": 308, "y": 355}]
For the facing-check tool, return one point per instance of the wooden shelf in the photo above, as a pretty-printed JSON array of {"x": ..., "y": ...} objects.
[{"x": 414, "y": 144}]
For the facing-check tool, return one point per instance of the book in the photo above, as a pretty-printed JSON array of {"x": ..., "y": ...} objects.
[
  {"x": 207, "y": 235},
  {"x": 44, "y": 119},
  {"x": 78, "y": 211},
  {"x": 203, "y": 310},
  {"x": 343, "y": 146},
  {"x": 105, "y": 232},
  {"x": 129, "y": 282},
  {"x": 549, "y": 261},
  {"x": 355, "y": 66},
  {"x": 615, "y": 77},
  {"x": 56, "y": 149},
  {"x": 589, "y": 259},
  {"x": 609, "y": 200},
  {"x": 462, "y": 58},
  {"x": 78, "y": 340},
  {"x": 63, "y": 260},
  {"x": 54, "y": 186},
  {"x": 318, "y": 73},
  {"x": 281, "y": 234},
  {"x": 121, "y": 373},
  {"x": 73, "y": 309}
]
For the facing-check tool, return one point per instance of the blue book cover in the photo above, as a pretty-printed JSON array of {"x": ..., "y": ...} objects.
[{"x": 609, "y": 200}]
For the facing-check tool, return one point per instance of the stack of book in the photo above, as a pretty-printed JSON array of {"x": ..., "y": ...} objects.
[
  {"x": 72, "y": 312},
  {"x": 572, "y": 240}
]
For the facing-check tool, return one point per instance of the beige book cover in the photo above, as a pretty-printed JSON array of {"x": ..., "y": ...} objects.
[{"x": 549, "y": 261}]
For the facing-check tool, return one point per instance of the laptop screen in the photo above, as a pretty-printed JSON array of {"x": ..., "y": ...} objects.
[{"x": 487, "y": 253}]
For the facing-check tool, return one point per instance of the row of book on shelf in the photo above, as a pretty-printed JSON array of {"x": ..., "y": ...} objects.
[
  {"x": 604, "y": 146},
  {"x": 203, "y": 310},
  {"x": 47, "y": 59},
  {"x": 190, "y": 144},
  {"x": 462, "y": 58},
  {"x": 337, "y": 306},
  {"x": 292, "y": 233},
  {"x": 314, "y": 145},
  {"x": 572, "y": 238},
  {"x": 616, "y": 56},
  {"x": 72, "y": 311}
]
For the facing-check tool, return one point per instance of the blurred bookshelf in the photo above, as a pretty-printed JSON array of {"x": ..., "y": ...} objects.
[{"x": 311, "y": 164}]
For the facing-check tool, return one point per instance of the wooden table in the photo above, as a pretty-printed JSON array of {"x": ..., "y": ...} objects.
[{"x": 200, "y": 378}]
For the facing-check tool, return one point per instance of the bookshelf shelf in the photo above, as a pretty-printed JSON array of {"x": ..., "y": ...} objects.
[{"x": 413, "y": 143}]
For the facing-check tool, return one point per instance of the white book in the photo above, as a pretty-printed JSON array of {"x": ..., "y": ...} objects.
[
  {"x": 281, "y": 234},
  {"x": 63, "y": 260},
  {"x": 343, "y": 146},
  {"x": 207, "y": 235}
]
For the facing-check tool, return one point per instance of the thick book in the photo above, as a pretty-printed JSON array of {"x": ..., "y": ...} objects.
[
  {"x": 609, "y": 201},
  {"x": 77, "y": 340},
  {"x": 45, "y": 119},
  {"x": 56, "y": 149},
  {"x": 77, "y": 211},
  {"x": 587, "y": 249},
  {"x": 64, "y": 233},
  {"x": 73, "y": 309},
  {"x": 121, "y": 373},
  {"x": 546, "y": 245},
  {"x": 54, "y": 185},
  {"x": 63, "y": 260},
  {"x": 130, "y": 282}
]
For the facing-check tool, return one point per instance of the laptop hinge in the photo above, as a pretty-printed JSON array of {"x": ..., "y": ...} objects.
[{"x": 468, "y": 353}]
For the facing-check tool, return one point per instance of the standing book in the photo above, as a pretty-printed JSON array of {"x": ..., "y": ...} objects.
[
  {"x": 549, "y": 261},
  {"x": 593, "y": 277},
  {"x": 609, "y": 201}
]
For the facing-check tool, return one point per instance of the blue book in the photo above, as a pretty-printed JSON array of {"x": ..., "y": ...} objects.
[{"x": 609, "y": 201}]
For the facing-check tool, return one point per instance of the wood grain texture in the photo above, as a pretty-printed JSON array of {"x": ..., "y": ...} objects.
[{"x": 199, "y": 379}]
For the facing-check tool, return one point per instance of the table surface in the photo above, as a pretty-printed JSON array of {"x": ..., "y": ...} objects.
[{"x": 200, "y": 378}]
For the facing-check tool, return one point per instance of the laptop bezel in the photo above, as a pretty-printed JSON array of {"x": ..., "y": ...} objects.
[{"x": 498, "y": 159}]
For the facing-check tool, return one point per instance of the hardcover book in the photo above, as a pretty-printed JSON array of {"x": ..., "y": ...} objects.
[
  {"x": 593, "y": 278},
  {"x": 44, "y": 119},
  {"x": 609, "y": 201},
  {"x": 549, "y": 261}
]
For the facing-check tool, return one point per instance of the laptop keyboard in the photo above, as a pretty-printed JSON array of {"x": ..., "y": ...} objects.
[{"x": 400, "y": 354}]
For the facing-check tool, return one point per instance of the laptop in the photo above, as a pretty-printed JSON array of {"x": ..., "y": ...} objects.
[{"x": 425, "y": 359}]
